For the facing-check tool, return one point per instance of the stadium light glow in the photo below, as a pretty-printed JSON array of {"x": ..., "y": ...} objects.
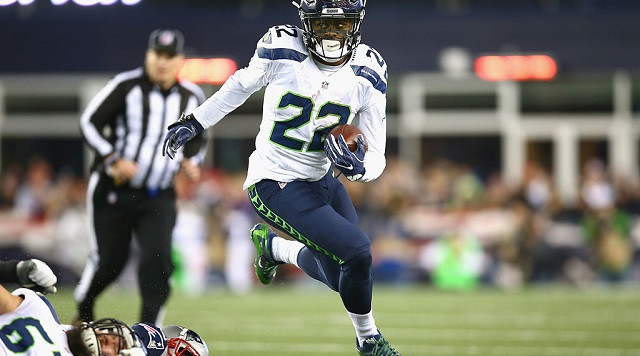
[
  {"x": 516, "y": 67},
  {"x": 207, "y": 70}
]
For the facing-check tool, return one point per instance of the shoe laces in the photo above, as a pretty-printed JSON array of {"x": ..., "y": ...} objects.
[
  {"x": 381, "y": 347},
  {"x": 263, "y": 262}
]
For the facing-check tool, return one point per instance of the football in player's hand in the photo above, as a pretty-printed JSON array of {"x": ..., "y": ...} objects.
[{"x": 350, "y": 133}]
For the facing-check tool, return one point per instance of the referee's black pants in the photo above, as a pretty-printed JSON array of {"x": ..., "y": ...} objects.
[{"x": 118, "y": 214}]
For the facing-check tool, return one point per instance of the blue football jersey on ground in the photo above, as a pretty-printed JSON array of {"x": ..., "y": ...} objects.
[{"x": 151, "y": 338}]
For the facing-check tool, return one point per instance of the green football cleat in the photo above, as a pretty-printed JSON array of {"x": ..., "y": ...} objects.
[
  {"x": 266, "y": 266},
  {"x": 376, "y": 346}
]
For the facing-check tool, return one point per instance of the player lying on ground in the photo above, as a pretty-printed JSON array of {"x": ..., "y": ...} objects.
[
  {"x": 29, "y": 325},
  {"x": 112, "y": 337}
]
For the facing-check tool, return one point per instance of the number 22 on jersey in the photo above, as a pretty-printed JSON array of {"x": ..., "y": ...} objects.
[{"x": 281, "y": 128}]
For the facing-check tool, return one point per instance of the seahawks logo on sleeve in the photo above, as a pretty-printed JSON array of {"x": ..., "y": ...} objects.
[{"x": 367, "y": 63}]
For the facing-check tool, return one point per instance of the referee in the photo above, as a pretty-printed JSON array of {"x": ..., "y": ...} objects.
[{"x": 130, "y": 192}]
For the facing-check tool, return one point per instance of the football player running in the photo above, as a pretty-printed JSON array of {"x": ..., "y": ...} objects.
[{"x": 316, "y": 78}]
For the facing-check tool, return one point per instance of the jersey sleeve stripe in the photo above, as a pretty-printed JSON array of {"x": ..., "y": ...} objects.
[
  {"x": 370, "y": 75},
  {"x": 51, "y": 309},
  {"x": 281, "y": 53}
]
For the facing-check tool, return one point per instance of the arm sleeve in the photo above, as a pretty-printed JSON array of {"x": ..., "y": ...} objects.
[
  {"x": 373, "y": 123},
  {"x": 235, "y": 91},
  {"x": 8, "y": 272},
  {"x": 102, "y": 110}
]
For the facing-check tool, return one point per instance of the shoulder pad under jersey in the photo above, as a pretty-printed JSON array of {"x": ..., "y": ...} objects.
[
  {"x": 151, "y": 338},
  {"x": 282, "y": 42}
]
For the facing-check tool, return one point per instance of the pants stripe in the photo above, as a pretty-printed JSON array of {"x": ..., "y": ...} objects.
[
  {"x": 276, "y": 220},
  {"x": 91, "y": 266}
]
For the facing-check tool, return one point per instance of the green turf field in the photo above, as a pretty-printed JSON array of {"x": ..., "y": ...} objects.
[{"x": 310, "y": 320}]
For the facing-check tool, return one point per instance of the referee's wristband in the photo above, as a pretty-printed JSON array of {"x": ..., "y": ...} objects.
[
  {"x": 8, "y": 272},
  {"x": 110, "y": 159}
]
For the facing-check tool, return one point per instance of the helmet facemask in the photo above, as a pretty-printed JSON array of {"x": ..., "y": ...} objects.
[
  {"x": 107, "y": 333},
  {"x": 184, "y": 342},
  {"x": 331, "y": 33},
  {"x": 180, "y": 347}
]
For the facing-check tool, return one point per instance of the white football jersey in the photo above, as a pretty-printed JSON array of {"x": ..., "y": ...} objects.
[
  {"x": 32, "y": 329},
  {"x": 302, "y": 102}
]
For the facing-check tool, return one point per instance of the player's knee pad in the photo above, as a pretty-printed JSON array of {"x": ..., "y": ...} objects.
[{"x": 358, "y": 267}]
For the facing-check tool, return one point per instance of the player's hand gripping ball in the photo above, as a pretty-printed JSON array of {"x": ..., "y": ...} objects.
[
  {"x": 350, "y": 134},
  {"x": 345, "y": 147}
]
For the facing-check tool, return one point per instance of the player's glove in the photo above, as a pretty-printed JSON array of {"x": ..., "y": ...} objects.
[
  {"x": 134, "y": 351},
  {"x": 181, "y": 131},
  {"x": 351, "y": 164},
  {"x": 37, "y": 275}
]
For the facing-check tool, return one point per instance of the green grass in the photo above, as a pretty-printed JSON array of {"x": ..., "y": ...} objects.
[{"x": 310, "y": 321}]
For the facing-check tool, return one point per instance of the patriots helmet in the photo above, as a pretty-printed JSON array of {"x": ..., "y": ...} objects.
[
  {"x": 331, "y": 27},
  {"x": 182, "y": 341},
  {"x": 107, "y": 337}
]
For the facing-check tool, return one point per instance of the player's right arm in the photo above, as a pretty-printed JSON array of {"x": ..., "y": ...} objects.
[
  {"x": 31, "y": 273},
  {"x": 278, "y": 45},
  {"x": 233, "y": 93}
]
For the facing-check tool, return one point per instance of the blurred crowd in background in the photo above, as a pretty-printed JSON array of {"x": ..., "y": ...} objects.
[
  {"x": 439, "y": 225},
  {"x": 444, "y": 224}
]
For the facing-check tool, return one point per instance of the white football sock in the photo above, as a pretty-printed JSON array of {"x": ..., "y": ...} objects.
[
  {"x": 364, "y": 324},
  {"x": 286, "y": 250}
]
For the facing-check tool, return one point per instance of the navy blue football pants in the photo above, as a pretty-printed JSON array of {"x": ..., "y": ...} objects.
[{"x": 321, "y": 215}]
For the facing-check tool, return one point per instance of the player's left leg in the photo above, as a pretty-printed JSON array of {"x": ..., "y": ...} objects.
[
  {"x": 153, "y": 232},
  {"x": 356, "y": 282},
  {"x": 318, "y": 265},
  {"x": 302, "y": 210},
  {"x": 321, "y": 216}
]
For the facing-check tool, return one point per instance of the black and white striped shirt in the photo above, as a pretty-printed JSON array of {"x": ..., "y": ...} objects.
[{"x": 129, "y": 117}]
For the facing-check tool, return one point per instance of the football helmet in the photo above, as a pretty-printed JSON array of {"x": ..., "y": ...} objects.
[
  {"x": 111, "y": 334},
  {"x": 182, "y": 341},
  {"x": 331, "y": 27}
]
